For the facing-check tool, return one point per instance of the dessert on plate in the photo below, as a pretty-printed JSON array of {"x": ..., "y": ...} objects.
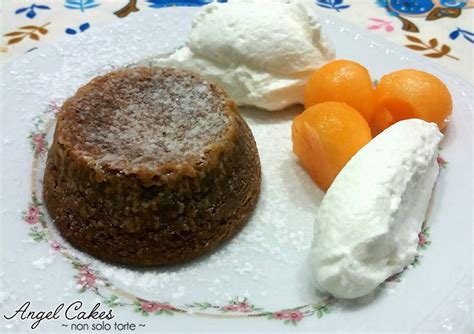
[
  {"x": 154, "y": 165},
  {"x": 150, "y": 166}
]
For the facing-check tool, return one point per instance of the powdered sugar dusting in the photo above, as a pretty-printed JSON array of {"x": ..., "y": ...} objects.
[
  {"x": 143, "y": 117},
  {"x": 42, "y": 262}
]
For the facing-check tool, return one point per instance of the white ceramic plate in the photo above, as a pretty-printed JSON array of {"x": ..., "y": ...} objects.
[{"x": 258, "y": 281}]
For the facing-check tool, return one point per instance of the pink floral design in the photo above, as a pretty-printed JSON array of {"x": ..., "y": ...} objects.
[
  {"x": 230, "y": 308},
  {"x": 38, "y": 142},
  {"x": 441, "y": 162},
  {"x": 55, "y": 245},
  {"x": 423, "y": 236},
  {"x": 54, "y": 107},
  {"x": 379, "y": 23},
  {"x": 32, "y": 216},
  {"x": 290, "y": 316},
  {"x": 153, "y": 307},
  {"x": 244, "y": 307},
  {"x": 280, "y": 315},
  {"x": 146, "y": 307},
  {"x": 238, "y": 307},
  {"x": 421, "y": 239},
  {"x": 86, "y": 278},
  {"x": 296, "y": 316}
]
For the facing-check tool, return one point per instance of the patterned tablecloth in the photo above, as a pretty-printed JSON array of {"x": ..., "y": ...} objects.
[{"x": 442, "y": 30}]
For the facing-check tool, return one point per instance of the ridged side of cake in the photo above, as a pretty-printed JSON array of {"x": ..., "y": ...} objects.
[{"x": 143, "y": 208}]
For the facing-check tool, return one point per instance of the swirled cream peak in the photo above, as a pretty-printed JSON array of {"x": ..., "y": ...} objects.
[{"x": 261, "y": 52}]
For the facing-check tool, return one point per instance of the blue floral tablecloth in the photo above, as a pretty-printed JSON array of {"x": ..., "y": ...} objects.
[{"x": 442, "y": 30}]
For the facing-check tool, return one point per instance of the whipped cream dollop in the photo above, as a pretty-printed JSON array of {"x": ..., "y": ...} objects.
[
  {"x": 367, "y": 226},
  {"x": 261, "y": 52}
]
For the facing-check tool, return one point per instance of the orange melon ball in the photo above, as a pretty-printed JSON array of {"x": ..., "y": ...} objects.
[
  {"x": 325, "y": 137},
  {"x": 342, "y": 81},
  {"x": 410, "y": 94}
]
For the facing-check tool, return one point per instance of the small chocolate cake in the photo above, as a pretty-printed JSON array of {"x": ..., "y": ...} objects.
[{"x": 150, "y": 166}]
